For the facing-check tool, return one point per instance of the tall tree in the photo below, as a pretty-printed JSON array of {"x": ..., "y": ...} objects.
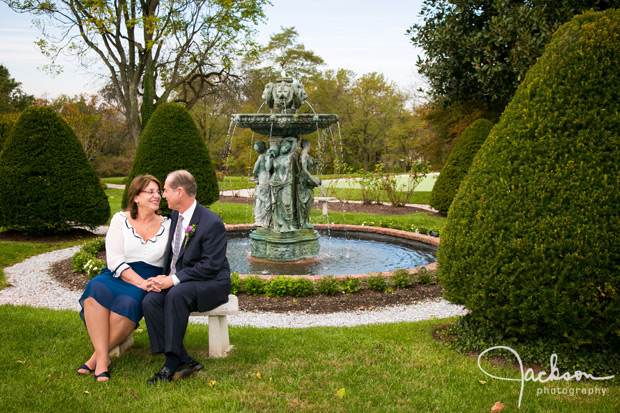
[
  {"x": 480, "y": 50},
  {"x": 12, "y": 99},
  {"x": 285, "y": 53},
  {"x": 177, "y": 45}
]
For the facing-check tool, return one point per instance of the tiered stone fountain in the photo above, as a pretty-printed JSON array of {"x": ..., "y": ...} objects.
[{"x": 283, "y": 174}]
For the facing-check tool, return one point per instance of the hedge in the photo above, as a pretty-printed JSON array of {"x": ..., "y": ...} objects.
[
  {"x": 531, "y": 245},
  {"x": 171, "y": 141},
  {"x": 46, "y": 181},
  {"x": 458, "y": 164}
]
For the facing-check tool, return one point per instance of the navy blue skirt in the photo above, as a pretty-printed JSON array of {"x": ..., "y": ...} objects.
[{"x": 117, "y": 295}]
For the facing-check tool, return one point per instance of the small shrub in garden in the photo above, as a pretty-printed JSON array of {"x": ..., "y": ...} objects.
[
  {"x": 235, "y": 283},
  {"x": 350, "y": 285},
  {"x": 426, "y": 277},
  {"x": 79, "y": 260},
  {"x": 328, "y": 285},
  {"x": 301, "y": 287},
  {"x": 85, "y": 261},
  {"x": 376, "y": 282},
  {"x": 402, "y": 279},
  {"x": 277, "y": 287},
  {"x": 93, "y": 267},
  {"x": 254, "y": 285}
]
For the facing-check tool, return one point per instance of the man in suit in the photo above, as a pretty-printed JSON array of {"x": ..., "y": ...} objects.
[{"x": 197, "y": 276}]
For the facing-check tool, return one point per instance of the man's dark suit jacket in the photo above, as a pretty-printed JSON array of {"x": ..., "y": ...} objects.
[{"x": 203, "y": 258}]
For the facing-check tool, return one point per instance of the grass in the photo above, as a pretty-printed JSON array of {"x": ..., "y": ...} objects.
[
  {"x": 118, "y": 180},
  {"x": 387, "y": 368},
  {"x": 242, "y": 213},
  {"x": 353, "y": 194}
]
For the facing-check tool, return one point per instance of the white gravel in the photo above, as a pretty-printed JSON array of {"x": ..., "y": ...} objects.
[{"x": 31, "y": 284}]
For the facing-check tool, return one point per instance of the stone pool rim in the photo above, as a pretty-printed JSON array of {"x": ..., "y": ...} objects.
[{"x": 397, "y": 233}]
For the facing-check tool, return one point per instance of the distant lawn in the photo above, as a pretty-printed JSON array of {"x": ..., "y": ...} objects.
[
  {"x": 376, "y": 368},
  {"x": 118, "y": 180}
]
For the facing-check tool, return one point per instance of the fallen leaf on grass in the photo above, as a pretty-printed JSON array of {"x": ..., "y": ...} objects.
[
  {"x": 258, "y": 375},
  {"x": 497, "y": 407},
  {"x": 482, "y": 382},
  {"x": 19, "y": 361},
  {"x": 340, "y": 393},
  {"x": 86, "y": 392},
  {"x": 138, "y": 330},
  {"x": 137, "y": 396},
  {"x": 212, "y": 383}
]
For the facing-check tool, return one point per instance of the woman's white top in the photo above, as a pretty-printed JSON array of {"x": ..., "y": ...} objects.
[{"x": 123, "y": 245}]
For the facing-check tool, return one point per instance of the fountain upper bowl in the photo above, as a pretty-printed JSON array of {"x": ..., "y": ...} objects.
[{"x": 284, "y": 124}]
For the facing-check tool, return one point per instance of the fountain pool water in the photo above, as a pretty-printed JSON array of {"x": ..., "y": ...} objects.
[{"x": 345, "y": 250}]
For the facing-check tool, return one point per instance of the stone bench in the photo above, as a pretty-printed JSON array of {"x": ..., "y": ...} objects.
[{"x": 219, "y": 343}]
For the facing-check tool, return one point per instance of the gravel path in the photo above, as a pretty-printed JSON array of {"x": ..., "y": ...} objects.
[{"x": 31, "y": 285}]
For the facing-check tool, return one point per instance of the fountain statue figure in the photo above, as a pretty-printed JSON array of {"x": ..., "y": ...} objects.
[{"x": 284, "y": 183}]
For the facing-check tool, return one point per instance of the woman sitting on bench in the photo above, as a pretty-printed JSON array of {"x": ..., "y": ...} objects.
[{"x": 135, "y": 247}]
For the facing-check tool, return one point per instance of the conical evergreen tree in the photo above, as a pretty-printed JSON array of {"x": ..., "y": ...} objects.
[
  {"x": 532, "y": 241},
  {"x": 171, "y": 141},
  {"x": 46, "y": 181},
  {"x": 458, "y": 164}
]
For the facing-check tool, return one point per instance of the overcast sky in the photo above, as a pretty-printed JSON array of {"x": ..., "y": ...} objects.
[{"x": 361, "y": 35}]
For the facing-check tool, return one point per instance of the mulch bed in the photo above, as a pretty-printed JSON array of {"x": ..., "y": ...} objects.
[
  {"x": 361, "y": 300},
  {"x": 62, "y": 272}
]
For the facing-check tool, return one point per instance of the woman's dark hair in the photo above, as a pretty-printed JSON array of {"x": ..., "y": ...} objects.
[{"x": 138, "y": 184}]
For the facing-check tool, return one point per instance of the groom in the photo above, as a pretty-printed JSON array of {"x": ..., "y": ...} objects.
[{"x": 198, "y": 276}]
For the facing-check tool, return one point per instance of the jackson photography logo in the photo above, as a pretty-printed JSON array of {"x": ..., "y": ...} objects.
[{"x": 554, "y": 375}]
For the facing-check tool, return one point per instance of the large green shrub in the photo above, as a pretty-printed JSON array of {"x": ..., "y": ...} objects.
[
  {"x": 46, "y": 182},
  {"x": 7, "y": 120},
  {"x": 531, "y": 245},
  {"x": 458, "y": 164},
  {"x": 171, "y": 141}
]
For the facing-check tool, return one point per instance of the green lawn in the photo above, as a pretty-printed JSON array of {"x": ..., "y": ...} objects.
[{"x": 386, "y": 368}]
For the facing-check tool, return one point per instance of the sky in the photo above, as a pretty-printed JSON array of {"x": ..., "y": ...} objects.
[{"x": 360, "y": 35}]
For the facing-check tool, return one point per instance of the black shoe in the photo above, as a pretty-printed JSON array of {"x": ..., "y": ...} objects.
[
  {"x": 162, "y": 375},
  {"x": 186, "y": 369}
]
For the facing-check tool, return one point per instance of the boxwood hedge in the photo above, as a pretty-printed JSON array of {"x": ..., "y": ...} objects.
[
  {"x": 531, "y": 245},
  {"x": 171, "y": 141},
  {"x": 458, "y": 164},
  {"x": 46, "y": 181}
]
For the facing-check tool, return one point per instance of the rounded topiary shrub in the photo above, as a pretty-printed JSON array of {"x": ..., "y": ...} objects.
[
  {"x": 531, "y": 245},
  {"x": 7, "y": 120},
  {"x": 46, "y": 182},
  {"x": 171, "y": 141},
  {"x": 458, "y": 164}
]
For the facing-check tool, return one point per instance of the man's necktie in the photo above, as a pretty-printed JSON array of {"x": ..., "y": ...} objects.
[{"x": 176, "y": 247}]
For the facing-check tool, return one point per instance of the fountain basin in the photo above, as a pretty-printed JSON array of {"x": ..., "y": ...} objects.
[
  {"x": 284, "y": 246},
  {"x": 284, "y": 124},
  {"x": 369, "y": 257}
]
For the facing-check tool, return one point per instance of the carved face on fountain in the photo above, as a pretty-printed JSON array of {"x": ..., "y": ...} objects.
[{"x": 283, "y": 95}]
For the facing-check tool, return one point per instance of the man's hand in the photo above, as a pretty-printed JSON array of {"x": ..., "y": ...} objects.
[{"x": 163, "y": 282}]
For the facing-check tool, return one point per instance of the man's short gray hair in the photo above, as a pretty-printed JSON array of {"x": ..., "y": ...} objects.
[{"x": 183, "y": 179}]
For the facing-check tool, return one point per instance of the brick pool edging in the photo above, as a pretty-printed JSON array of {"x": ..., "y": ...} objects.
[{"x": 426, "y": 239}]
